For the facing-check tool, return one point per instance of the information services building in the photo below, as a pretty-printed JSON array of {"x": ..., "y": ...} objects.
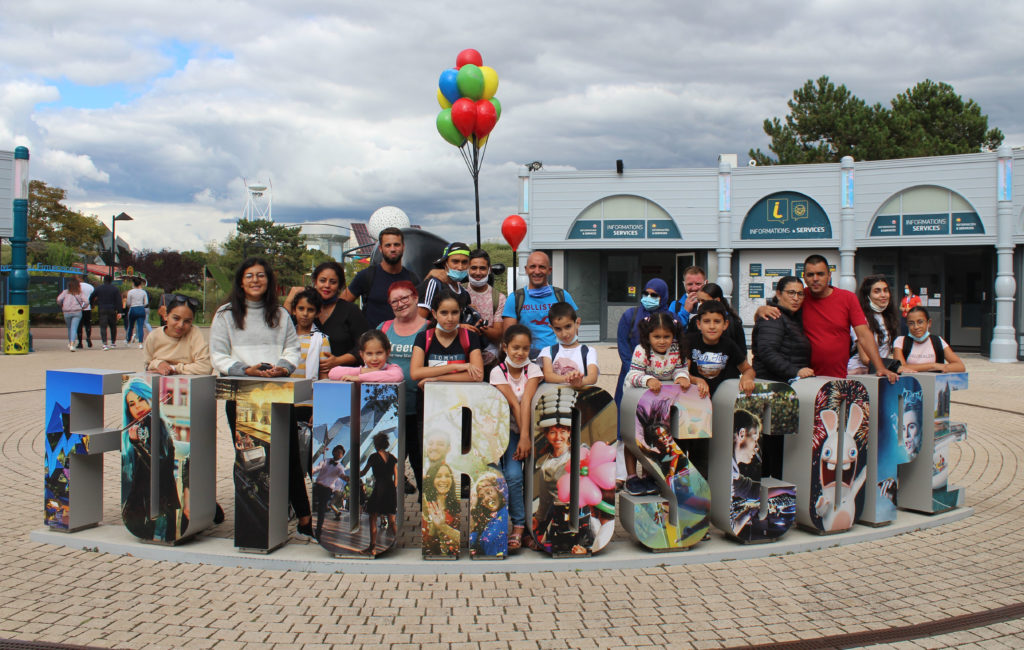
[{"x": 949, "y": 226}]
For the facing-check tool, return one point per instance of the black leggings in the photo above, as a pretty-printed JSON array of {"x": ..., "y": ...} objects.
[{"x": 297, "y": 495}]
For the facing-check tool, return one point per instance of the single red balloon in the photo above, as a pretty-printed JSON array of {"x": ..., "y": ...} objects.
[
  {"x": 513, "y": 229},
  {"x": 464, "y": 116},
  {"x": 468, "y": 56},
  {"x": 486, "y": 118}
]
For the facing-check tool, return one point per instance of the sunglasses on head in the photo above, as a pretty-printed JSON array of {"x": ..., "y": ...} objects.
[{"x": 179, "y": 299}]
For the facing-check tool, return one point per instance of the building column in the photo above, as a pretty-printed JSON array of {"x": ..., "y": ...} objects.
[
  {"x": 847, "y": 232},
  {"x": 1004, "y": 340},
  {"x": 724, "y": 249}
]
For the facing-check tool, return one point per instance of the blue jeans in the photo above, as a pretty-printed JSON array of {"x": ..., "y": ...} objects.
[
  {"x": 137, "y": 319},
  {"x": 513, "y": 471},
  {"x": 71, "y": 319}
]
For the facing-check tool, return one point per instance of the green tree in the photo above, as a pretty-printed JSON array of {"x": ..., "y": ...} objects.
[
  {"x": 168, "y": 269},
  {"x": 827, "y": 122},
  {"x": 51, "y": 221},
  {"x": 281, "y": 245}
]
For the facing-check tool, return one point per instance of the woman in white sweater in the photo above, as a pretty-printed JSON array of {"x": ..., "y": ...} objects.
[{"x": 253, "y": 336}]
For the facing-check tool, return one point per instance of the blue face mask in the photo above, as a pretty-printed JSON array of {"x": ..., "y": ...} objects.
[
  {"x": 650, "y": 303},
  {"x": 922, "y": 338},
  {"x": 458, "y": 276}
]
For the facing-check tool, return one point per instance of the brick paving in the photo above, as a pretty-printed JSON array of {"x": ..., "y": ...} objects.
[{"x": 80, "y": 597}]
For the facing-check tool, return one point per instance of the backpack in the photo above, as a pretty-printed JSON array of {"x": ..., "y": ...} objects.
[
  {"x": 940, "y": 355},
  {"x": 463, "y": 337},
  {"x": 584, "y": 350},
  {"x": 520, "y": 295}
]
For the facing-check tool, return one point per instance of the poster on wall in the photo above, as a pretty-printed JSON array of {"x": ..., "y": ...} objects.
[{"x": 760, "y": 270}]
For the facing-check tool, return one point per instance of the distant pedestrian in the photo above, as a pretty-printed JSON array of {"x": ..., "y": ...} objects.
[{"x": 71, "y": 304}]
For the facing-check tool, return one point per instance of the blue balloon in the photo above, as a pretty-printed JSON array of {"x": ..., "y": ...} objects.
[{"x": 449, "y": 86}]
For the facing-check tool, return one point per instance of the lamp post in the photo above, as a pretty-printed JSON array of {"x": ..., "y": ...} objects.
[{"x": 113, "y": 238}]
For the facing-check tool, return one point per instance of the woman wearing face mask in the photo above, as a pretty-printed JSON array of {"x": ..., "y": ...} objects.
[
  {"x": 781, "y": 350},
  {"x": 876, "y": 301},
  {"x": 454, "y": 261},
  {"x": 922, "y": 351},
  {"x": 908, "y": 302}
]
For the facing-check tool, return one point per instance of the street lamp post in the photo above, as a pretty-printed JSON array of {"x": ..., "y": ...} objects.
[{"x": 113, "y": 238}]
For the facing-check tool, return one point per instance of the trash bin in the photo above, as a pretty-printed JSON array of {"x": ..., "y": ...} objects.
[{"x": 16, "y": 329}]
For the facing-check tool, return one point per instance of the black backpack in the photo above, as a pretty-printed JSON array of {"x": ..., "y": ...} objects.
[{"x": 940, "y": 354}]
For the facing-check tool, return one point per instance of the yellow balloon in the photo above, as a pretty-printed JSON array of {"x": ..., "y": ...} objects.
[
  {"x": 481, "y": 142},
  {"x": 442, "y": 101},
  {"x": 490, "y": 81}
]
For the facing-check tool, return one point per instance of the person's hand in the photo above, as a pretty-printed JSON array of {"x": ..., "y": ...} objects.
[
  {"x": 767, "y": 312},
  {"x": 255, "y": 371},
  {"x": 523, "y": 449},
  {"x": 476, "y": 374},
  {"x": 440, "y": 275},
  {"x": 294, "y": 291},
  {"x": 805, "y": 373},
  {"x": 165, "y": 368},
  {"x": 747, "y": 385},
  {"x": 702, "y": 387},
  {"x": 425, "y": 381},
  {"x": 683, "y": 382},
  {"x": 328, "y": 363},
  {"x": 350, "y": 378},
  {"x": 133, "y": 434},
  {"x": 690, "y": 304},
  {"x": 654, "y": 385},
  {"x": 888, "y": 374}
]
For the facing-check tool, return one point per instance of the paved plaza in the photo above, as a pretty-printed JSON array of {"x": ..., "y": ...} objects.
[{"x": 938, "y": 576}]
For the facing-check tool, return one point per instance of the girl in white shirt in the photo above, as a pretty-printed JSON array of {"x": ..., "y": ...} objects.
[{"x": 922, "y": 357}]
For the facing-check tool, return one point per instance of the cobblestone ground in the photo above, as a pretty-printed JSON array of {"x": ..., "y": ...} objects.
[{"x": 87, "y": 598}]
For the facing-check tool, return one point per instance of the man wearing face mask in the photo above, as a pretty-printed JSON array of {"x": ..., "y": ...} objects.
[
  {"x": 530, "y": 305},
  {"x": 454, "y": 261},
  {"x": 488, "y": 302}
]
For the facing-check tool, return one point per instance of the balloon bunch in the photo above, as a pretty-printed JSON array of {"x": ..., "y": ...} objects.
[{"x": 469, "y": 111}]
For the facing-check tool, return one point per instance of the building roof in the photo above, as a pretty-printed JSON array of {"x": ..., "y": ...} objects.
[{"x": 361, "y": 233}]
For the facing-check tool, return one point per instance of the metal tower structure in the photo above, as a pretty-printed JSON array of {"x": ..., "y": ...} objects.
[{"x": 260, "y": 201}]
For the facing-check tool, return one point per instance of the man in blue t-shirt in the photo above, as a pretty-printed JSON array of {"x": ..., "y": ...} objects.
[
  {"x": 372, "y": 283},
  {"x": 530, "y": 306}
]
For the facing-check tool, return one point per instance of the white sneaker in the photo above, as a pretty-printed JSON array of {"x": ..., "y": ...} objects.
[
  {"x": 105, "y": 347},
  {"x": 71, "y": 347},
  {"x": 113, "y": 345},
  {"x": 140, "y": 346}
]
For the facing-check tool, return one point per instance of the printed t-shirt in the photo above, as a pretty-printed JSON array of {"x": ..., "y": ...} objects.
[
  {"x": 569, "y": 359},
  {"x": 441, "y": 355},
  {"x": 534, "y": 315},
  {"x": 715, "y": 363},
  {"x": 827, "y": 322},
  {"x": 375, "y": 298},
  {"x": 518, "y": 386},
  {"x": 920, "y": 352},
  {"x": 401, "y": 355}
]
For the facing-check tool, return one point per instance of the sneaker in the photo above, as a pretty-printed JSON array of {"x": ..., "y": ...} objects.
[
  {"x": 89, "y": 342},
  {"x": 306, "y": 531},
  {"x": 78, "y": 346},
  {"x": 650, "y": 486},
  {"x": 105, "y": 347},
  {"x": 635, "y": 486},
  {"x": 113, "y": 345},
  {"x": 218, "y": 514},
  {"x": 140, "y": 346}
]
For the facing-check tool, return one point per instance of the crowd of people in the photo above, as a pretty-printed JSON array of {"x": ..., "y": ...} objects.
[
  {"x": 78, "y": 298},
  {"x": 455, "y": 326}
]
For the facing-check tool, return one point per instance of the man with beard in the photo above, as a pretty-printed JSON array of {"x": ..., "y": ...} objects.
[{"x": 372, "y": 283}]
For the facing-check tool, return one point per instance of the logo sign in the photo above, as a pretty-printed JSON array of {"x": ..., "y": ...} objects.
[
  {"x": 786, "y": 215},
  {"x": 625, "y": 229}
]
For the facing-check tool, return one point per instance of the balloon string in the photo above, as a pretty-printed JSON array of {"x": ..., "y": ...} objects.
[
  {"x": 464, "y": 150},
  {"x": 480, "y": 162}
]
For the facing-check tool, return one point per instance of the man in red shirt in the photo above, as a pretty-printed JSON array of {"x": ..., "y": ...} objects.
[{"x": 828, "y": 314}]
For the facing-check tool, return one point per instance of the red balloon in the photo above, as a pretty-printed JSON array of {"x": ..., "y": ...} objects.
[
  {"x": 464, "y": 116},
  {"x": 468, "y": 56},
  {"x": 513, "y": 229},
  {"x": 486, "y": 118}
]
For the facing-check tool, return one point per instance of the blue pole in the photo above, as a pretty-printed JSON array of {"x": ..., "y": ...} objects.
[{"x": 19, "y": 259}]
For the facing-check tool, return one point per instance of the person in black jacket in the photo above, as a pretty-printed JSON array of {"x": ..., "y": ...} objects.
[
  {"x": 781, "y": 350},
  {"x": 712, "y": 291}
]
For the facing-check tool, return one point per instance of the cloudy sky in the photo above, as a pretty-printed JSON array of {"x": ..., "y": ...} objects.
[{"x": 160, "y": 109}]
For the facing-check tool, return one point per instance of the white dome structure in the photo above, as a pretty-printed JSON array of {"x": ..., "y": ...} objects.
[{"x": 387, "y": 217}]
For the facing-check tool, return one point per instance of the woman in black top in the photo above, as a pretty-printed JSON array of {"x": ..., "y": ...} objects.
[
  {"x": 712, "y": 291},
  {"x": 781, "y": 350},
  {"x": 341, "y": 321}
]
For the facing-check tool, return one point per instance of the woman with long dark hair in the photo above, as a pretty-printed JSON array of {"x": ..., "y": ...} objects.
[
  {"x": 875, "y": 297},
  {"x": 252, "y": 335}
]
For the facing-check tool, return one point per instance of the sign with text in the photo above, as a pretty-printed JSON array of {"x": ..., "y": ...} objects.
[
  {"x": 786, "y": 215},
  {"x": 624, "y": 229},
  {"x": 956, "y": 223}
]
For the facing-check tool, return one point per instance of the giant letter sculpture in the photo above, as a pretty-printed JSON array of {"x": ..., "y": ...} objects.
[
  {"x": 76, "y": 440},
  {"x": 167, "y": 492},
  {"x": 450, "y": 412},
  {"x": 828, "y": 458},
  {"x": 262, "y": 429},
  {"x": 342, "y": 446},
  {"x": 749, "y": 430},
  {"x": 657, "y": 427},
  {"x": 894, "y": 439},
  {"x": 924, "y": 482},
  {"x": 573, "y": 489}
]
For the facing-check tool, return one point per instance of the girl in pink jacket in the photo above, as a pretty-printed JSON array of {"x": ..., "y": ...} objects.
[{"x": 374, "y": 348}]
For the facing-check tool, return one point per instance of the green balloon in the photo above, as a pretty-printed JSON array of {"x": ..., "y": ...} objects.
[
  {"x": 497, "y": 108},
  {"x": 470, "y": 81},
  {"x": 447, "y": 129}
]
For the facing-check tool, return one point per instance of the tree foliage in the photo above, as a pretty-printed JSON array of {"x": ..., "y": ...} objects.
[
  {"x": 49, "y": 220},
  {"x": 826, "y": 122},
  {"x": 167, "y": 269},
  {"x": 281, "y": 246}
]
